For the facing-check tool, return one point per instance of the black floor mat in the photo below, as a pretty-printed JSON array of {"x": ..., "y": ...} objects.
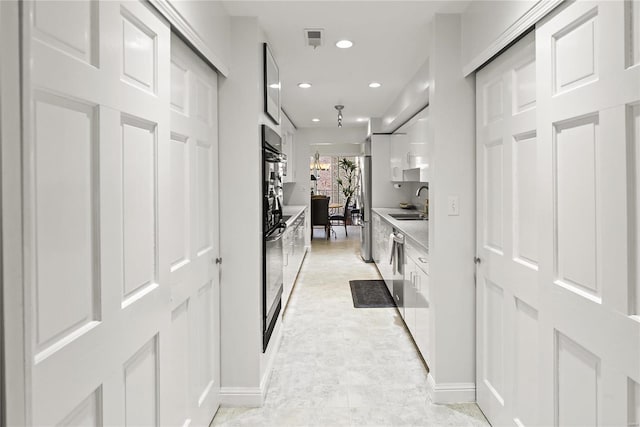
[{"x": 370, "y": 294}]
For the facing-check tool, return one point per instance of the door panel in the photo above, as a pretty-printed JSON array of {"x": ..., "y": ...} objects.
[
  {"x": 508, "y": 230},
  {"x": 590, "y": 339},
  {"x": 65, "y": 270},
  {"x": 570, "y": 330},
  {"x": 190, "y": 238},
  {"x": 90, "y": 185},
  {"x": 121, "y": 224}
]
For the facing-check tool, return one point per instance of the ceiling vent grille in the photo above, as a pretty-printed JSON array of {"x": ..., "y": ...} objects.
[{"x": 313, "y": 37}]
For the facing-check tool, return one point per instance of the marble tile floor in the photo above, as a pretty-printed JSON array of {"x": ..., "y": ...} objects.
[{"x": 342, "y": 366}]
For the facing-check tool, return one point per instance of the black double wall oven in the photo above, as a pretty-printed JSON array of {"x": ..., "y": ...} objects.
[{"x": 273, "y": 227}]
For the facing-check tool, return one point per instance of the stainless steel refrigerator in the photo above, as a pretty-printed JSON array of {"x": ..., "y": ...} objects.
[{"x": 364, "y": 204}]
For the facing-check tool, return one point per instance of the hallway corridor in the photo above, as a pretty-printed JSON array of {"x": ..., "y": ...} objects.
[{"x": 341, "y": 366}]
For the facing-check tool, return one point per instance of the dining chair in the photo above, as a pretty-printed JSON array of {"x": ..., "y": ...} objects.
[
  {"x": 342, "y": 218},
  {"x": 320, "y": 214}
]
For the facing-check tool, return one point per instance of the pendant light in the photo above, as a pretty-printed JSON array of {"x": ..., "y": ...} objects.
[{"x": 339, "y": 108}]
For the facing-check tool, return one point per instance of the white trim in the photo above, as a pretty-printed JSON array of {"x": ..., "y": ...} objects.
[
  {"x": 182, "y": 26},
  {"x": 272, "y": 349},
  {"x": 522, "y": 24},
  {"x": 241, "y": 396},
  {"x": 13, "y": 322},
  {"x": 450, "y": 392},
  {"x": 254, "y": 396}
]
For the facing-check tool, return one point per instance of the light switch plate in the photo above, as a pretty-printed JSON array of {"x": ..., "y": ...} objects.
[{"x": 453, "y": 206}]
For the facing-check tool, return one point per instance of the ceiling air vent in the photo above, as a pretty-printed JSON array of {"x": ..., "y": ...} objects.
[{"x": 313, "y": 37}]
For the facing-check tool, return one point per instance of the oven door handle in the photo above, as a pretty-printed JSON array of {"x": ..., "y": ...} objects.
[{"x": 278, "y": 236}]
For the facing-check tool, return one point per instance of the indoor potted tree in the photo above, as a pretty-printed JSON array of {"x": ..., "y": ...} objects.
[{"x": 347, "y": 177}]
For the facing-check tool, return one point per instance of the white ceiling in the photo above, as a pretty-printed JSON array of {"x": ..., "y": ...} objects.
[{"x": 390, "y": 39}]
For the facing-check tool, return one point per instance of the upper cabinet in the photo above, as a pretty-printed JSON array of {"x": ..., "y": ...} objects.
[
  {"x": 398, "y": 156},
  {"x": 288, "y": 150},
  {"x": 409, "y": 150},
  {"x": 287, "y": 133}
]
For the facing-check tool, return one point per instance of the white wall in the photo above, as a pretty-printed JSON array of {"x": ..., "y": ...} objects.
[
  {"x": 336, "y": 149},
  {"x": 490, "y": 26},
  {"x": 452, "y": 238},
  {"x": 336, "y": 141},
  {"x": 413, "y": 97},
  {"x": 245, "y": 369},
  {"x": 483, "y": 21},
  {"x": 205, "y": 25},
  {"x": 241, "y": 211},
  {"x": 412, "y": 187}
]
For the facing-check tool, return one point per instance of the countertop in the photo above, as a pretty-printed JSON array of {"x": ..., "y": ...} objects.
[
  {"x": 294, "y": 211},
  {"x": 417, "y": 231}
]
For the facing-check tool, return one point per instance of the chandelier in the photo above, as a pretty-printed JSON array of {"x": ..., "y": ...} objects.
[{"x": 339, "y": 108}]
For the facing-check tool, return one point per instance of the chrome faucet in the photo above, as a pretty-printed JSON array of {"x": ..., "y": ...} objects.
[{"x": 424, "y": 187}]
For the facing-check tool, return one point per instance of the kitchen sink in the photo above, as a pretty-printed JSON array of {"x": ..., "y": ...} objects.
[{"x": 408, "y": 216}]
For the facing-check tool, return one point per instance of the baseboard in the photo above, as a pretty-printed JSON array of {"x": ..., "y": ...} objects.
[
  {"x": 272, "y": 352},
  {"x": 241, "y": 396},
  {"x": 255, "y": 396},
  {"x": 451, "y": 392}
]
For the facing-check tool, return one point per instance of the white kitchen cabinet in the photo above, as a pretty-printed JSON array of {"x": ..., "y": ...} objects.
[
  {"x": 288, "y": 274},
  {"x": 409, "y": 157},
  {"x": 418, "y": 309},
  {"x": 299, "y": 240},
  {"x": 381, "y": 232},
  {"x": 380, "y": 246},
  {"x": 409, "y": 296},
  {"x": 423, "y": 313},
  {"x": 288, "y": 150},
  {"x": 375, "y": 235},
  {"x": 287, "y": 133},
  {"x": 293, "y": 252},
  {"x": 399, "y": 156}
]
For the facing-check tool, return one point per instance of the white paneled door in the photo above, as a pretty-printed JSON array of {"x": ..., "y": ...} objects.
[
  {"x": 588, "y": 122},
  {"x": 507, "y": 277},
  {"x": 190, "y": 239},
  {"x": 120, "y": 221},
  {"x": 558, "y": 219}
]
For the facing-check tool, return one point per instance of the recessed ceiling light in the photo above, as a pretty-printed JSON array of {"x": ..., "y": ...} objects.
[
  {"x": 304, "y": 85},
  {"x": 315, "y": 120},
  {"x": 274, "y": 85},
  {"x": 374, "y": 84},
  {"x": 344, "y": 44},
  {"x": 362, "y": 119}
]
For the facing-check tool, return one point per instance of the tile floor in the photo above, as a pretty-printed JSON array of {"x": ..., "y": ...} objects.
[{"x": 342, "y": 366}]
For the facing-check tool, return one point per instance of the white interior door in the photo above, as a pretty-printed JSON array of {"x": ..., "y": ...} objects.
[
  {"x": 190, "y": 239},
  {"x": 507, "y": 224},
  {"x": 561, "y": 315},
  {"x": 106, "y": 280},
  {"x": 588, "y": 124}
]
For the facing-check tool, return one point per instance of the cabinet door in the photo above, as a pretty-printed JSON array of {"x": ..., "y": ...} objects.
[
  {"x": 409, "y": 296},
  {"x": 398, "y": 156},
  {"x": 287, "y": 149},
  {"x": 299, "y": 243},
  {"x": 289, "y": 264},
  {"x": 375, "y": 229},
  {"x": 417, "y": 146},
  {"x": 423, "y": 314}
]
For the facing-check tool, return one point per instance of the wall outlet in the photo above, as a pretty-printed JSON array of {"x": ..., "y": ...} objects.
[{"x": 453, "y": 206}]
